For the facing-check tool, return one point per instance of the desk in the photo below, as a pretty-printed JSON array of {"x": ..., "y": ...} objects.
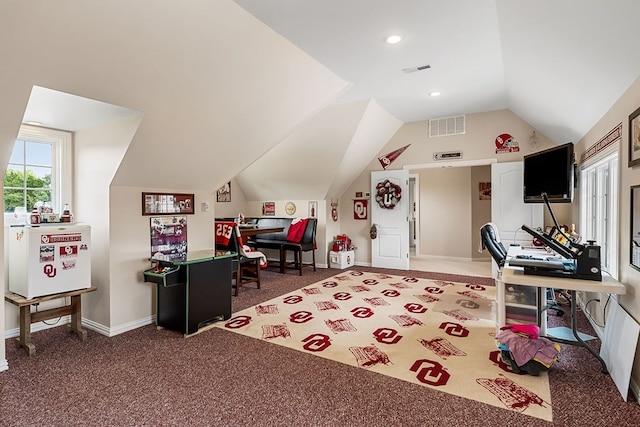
[
  {"x": 516, "y": 276},
  {"x": 248, "y": 232},
  {"x": 27, "y": 317}
]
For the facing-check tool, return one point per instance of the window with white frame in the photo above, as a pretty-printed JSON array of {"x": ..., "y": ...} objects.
[
  {"x": 599, "y": 208},
  {"x": 39, "y": 169}
]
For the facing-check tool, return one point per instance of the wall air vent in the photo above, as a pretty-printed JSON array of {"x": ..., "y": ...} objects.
[
  {"x": 446, "y": 126},
  {"x": 448, "y": 155}
]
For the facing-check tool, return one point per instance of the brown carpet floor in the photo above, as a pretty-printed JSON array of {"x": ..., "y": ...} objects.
[{"x": 150, "y": 377}]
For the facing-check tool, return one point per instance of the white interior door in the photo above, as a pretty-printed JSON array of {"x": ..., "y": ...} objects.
[
  {"x": 390, "y": 215},
  {"x": 508, "y": 210}
]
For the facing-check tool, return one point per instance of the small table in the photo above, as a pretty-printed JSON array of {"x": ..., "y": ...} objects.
[{"x": 27, "y": 317}]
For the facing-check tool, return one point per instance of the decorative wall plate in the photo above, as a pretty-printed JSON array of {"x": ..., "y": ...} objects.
[{"x": 290, "y": 208}]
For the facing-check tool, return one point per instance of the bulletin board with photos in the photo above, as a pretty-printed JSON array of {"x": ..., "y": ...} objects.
[{"x": 167, "y": 203}]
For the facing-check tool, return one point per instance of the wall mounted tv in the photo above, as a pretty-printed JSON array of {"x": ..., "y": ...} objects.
[{"x": 549, "y": 171}]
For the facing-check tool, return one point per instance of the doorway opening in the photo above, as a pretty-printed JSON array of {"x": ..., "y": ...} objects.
[{"x": 444, "y": 215}]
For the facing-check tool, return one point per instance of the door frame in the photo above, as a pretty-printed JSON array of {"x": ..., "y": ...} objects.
[
  {"x": 413, "y": 172},
  {"x": 416, "y": 200}
]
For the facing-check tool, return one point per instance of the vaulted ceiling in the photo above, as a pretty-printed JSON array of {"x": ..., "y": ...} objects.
[
  {"x": 246, "y": 85},
  {"x": 559, "y": 65}
]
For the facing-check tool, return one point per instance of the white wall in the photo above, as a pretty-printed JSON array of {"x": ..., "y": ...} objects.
[
  {"x": 619, "y": 113},
  {"x": 254, "y": 209},
  {"x": 445, "y": 212},
  {"x": 207, "y": 111},
  {"x": 131, "y": 301},
  {"x": 477, "y": 143},
  {"x": 98, "y": 153},
  {"x": 481, "y": 209},
  {"x": 237, "y": 204}
]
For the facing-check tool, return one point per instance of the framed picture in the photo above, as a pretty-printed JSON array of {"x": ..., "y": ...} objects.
[
  {"x": 313, "y": 209},
  {"x": 167, "y": 203},
  {"x": 169, "y": 238},
  {"x": 224, "y": 193},
  {"x": 634, "y": 138},
  {"x": 485, "y": 191},
  {"x": 634, "y": 244},
  {"x": 360, "y": 209},
  {"x": 269, "y": 208}
]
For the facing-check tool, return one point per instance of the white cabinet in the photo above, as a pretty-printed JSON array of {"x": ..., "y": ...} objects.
[{"x": 342, "y": 259}]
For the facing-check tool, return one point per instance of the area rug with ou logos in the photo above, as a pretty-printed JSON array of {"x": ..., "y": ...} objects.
[{"x": 434, "y": 333}]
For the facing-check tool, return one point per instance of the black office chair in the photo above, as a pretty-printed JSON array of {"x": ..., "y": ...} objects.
[{"x": 491, "y": 242}]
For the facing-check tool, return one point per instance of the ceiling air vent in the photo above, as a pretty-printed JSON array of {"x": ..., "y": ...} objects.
[{"x": 446, "y": 126}]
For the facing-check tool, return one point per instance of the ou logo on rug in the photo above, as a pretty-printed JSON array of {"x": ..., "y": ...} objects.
[
  {"x": 316, "y": 342},
  {"x": 342, "y": 296},
  {"x": 238, "y": 322},
  {"x": 454, "y": 329},
  {"x": 301, "y": 317},
  {"x": 293, "y": 299},
  {"x": 390, "y": 293},
  {"x": 362, "y": 312},
  {"x": 416, "y": 308},
  {"x": 430, "y": 372},
  {"x": 465, "y": 303},
  {"x": 387, "y": 336}
]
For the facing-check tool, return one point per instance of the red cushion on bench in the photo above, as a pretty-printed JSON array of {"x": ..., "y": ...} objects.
[{"x": 296, "y": 230}]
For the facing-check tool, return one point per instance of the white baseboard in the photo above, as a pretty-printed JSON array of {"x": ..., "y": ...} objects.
[
  {"x": 449, "y": 258},
  {"x": 4, "y": 365},
  {"x": 89, "y": 324},
  {"x": 39, "y": 326},
  {"x": 120, "y": 329}
]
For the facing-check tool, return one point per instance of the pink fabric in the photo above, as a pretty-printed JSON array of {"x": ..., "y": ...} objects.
[
  {"x": 523, "y": 349},
  {"x": 530, "y": 330},
  {"x": 296, "y": 229}
]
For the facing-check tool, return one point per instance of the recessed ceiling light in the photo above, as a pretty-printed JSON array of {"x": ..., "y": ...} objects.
[
  {"x": 434, "y": 93},
  {"x": 394, "y": 39}
]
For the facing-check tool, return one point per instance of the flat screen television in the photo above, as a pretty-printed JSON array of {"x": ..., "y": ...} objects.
[{"x": 549, "y": 171}]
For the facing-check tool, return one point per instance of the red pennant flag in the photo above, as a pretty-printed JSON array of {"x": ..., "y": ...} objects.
[{"x": 387, "y": 159}]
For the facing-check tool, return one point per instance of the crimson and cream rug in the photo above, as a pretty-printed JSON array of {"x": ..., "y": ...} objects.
[{"x": 434, "y": 333}]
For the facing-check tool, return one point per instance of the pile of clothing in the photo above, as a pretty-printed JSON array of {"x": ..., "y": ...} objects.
[{"x": 524, "y": 350}]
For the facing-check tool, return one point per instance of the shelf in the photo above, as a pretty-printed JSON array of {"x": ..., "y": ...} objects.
[
  {"x": 168, "y": 278},
  {"x": 522, "y": 314},
  {"x": 517, "y": 294},
  {"x": 521, "y": 306}
]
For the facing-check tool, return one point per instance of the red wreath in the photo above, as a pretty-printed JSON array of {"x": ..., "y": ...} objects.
[{"x": 388, "y": 194}]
